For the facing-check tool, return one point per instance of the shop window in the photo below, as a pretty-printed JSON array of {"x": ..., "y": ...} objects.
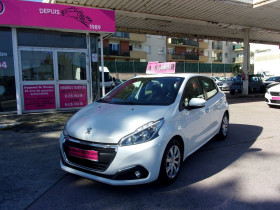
[
  {"x": 39, "y": 38},
  {"x": 7, "y": 75},
  {"x": 71, "y": 65},
  {"x": 37, "y": 65}
]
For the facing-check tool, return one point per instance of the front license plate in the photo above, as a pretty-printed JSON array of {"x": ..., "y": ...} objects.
[
  {"x": 84, "y": 154},
  {"x": 276, "y": 98}
]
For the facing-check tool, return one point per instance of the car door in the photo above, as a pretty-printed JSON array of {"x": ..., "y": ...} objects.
[
  {"x": 192, "y": 120},
  {"x": 212, "y": 107}
]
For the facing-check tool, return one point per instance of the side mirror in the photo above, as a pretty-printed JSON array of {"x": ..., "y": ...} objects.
[{"x": 197, "y": 103}]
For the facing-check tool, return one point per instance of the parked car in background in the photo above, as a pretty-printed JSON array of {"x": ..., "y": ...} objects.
[
  {"x": 144, "y": 129},
  {"x": 256, "y": 84},
  {"x": 272, "y": 96},
  {"x": 272, "y": 84},
  {"x": 236, "y": 85},
  {"x": 271, "y": 80},
  {"x": 108, "y": 79},
  {"x": 219, "y": 82}
]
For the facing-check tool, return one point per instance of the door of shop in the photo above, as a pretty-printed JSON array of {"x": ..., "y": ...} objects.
[{"x": 54, "y": 79}]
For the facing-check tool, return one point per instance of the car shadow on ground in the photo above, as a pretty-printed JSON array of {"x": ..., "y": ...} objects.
[{"x": 186, "y": 193}]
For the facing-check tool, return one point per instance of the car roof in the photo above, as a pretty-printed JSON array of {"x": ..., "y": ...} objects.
[{"x": 183, "y": 75}]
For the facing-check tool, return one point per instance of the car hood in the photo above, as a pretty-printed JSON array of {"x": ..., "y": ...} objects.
[
  {"x": 108, "y": 123},
  {"x": 275, "y": 88}
]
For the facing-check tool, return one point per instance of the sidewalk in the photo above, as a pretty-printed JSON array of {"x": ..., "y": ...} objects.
[{"x": 41, "y": 122}]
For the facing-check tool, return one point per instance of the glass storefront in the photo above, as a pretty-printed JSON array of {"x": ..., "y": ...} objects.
[
  {"x": 54, "y": 67},
  {"x": 55, "y": 72},
  {"x": 7, "y": 75},
  {"x": 37, "y": 65},
  {"x": 71, "y": 65}
]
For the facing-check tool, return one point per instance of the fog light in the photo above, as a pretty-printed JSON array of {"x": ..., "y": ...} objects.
[{"x": 138, "y": 174}]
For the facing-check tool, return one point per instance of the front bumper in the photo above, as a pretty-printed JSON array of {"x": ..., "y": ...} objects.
[
  {"x": 128, "y": 165},
  {"x": 272, "y": 100}
]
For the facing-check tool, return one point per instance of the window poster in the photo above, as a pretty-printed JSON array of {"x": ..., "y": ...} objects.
[
  {"x": 37, "y": 97},
  {"x": 72, "y": 96}
]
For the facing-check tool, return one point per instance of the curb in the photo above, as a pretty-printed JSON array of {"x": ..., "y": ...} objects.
[{"x": 10, "y": 125}]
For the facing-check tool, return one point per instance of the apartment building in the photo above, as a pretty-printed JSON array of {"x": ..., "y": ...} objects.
[
  {"x": 123, "y": 46},
  {"x": 186, "y": 50}
]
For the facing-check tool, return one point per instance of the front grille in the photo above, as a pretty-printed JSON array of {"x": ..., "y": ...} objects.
[
  {"x": 275, "y": 101},
  {"x": 105, "y": 155},
  {"x": 275, "y": 93}
]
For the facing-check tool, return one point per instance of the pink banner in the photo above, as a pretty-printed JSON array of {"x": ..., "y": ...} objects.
[
  {"x": 160, "y": 68},
  {"x": 37, "y": 97},
  {"x": 72, "y": 96},
  {"x": 43, "y": 15}
]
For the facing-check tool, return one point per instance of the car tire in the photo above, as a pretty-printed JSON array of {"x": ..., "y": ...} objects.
[
  {"x": 171, "y": 163},
  {"x": 224, "y": 127},
  {"x": 232, "y": 92}
]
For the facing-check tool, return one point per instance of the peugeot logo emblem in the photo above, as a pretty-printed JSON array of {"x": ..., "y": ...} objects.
[
  {"x": 2, "y": 8},
  {"x": 88, "y": 130}
]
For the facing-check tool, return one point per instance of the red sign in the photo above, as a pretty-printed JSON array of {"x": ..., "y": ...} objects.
[
  {"x": 85, "y": 154},
  {"x": 26, "y": 13},
  {"x": 72, "y": 96},
  {"x": 37, "y": 97}
]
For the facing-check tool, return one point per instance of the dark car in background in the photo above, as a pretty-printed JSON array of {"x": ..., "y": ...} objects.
[
  {"x": 272, "y": 81},
  {"x": 255, "y": 85}
]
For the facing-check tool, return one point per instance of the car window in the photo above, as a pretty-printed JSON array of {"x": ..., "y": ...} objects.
[
  {"x": 193, "y": 89},
  {"x": 209, "y": 86},
  {"x": 145, "y": 91}
]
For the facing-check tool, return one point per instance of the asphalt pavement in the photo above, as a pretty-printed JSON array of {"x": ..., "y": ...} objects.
[{"x": 239, "y": 173}]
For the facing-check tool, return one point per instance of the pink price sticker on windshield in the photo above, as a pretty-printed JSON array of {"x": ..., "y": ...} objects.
[
  {"x": 85, "y": 154},
  {"x": 161, "y": 68}
]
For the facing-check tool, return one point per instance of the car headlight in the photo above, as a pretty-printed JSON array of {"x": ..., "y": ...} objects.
[
  {"x": 65, "y": 128},
  {"x": 142, "y": 134}
]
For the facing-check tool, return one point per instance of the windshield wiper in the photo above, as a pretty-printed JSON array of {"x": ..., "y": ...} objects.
[{"x": 124, "y": 102}]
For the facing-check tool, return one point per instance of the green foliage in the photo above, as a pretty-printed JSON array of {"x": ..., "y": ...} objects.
[{"x": 236, "y": 69}]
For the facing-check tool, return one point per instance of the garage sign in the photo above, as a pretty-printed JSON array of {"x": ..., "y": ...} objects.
[{"x": 43, "y": 15}]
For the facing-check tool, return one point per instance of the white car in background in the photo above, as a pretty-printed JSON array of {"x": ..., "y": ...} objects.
[
  {"x": 272, "y": 96},
  {"x": 143, "y": 129}
]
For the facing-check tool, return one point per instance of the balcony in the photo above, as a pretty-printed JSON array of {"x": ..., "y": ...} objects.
[
  {"x": 217, "y": 45},
  {"x": 137, "y": 38},
  {"x": 120, "y": 35},
  {"x": 203, "y": 58},
  {"x": 183, "y": 57},
  {"x": 138, "y": 54},
  {"x": 217, "y": 59},
  {"x": 109, "y": 52},
  {"x": 177, "y": 41},
  {"x": 238, "y": 60},
  {"x": 238, "y": 47},
  {"x": 203, "y": 45}
]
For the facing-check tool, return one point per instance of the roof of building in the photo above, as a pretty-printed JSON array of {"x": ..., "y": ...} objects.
[{"x": 206, "y": 19}]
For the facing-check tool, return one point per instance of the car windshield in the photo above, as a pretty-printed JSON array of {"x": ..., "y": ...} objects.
[
  {"x": 272, "y": 79},
  {"x": 145, "y": 91}
]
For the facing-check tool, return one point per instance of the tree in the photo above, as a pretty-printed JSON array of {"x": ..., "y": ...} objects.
[{"x": 236, "y": 69}]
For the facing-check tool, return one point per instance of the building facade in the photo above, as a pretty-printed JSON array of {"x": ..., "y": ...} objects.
[{"x": 50, "y": 64}]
